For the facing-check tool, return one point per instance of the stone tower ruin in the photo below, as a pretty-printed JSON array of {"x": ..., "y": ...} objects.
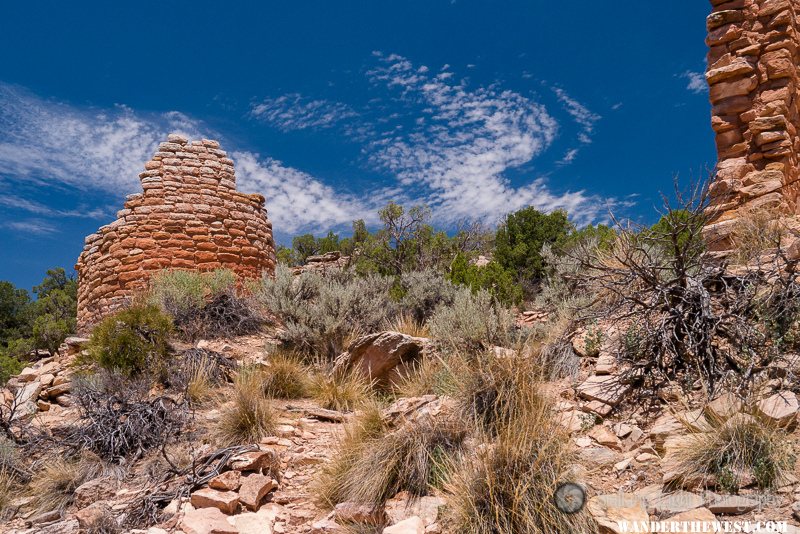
[
  {"x": 189, "y": 216},
  {"x": 753, "y": 80}
]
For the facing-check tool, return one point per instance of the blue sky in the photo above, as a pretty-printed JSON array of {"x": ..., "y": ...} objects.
[{"x": 332, "y": 108}]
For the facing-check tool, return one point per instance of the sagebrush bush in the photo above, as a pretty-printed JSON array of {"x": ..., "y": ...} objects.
[
  {"x": 132, "y": 341},
  {"x": 250, "y": 416},
  {"x": 204, "y": 304},
  {"x": 320, "y": 313},
  {"x": 178, "y": 292},
  {"x": 734, "y": 449},
  {"x": 473, "y": 320},
  {"x": 423, "y": 292}
]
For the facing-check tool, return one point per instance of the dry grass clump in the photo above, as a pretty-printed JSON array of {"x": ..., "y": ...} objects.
[
  {"x": 734, "y": 451},
  {"x": 53, "y": 485},
  {"x": 250, "y": 417},
  {"x": 436, "y": 374},
  {"x": 366, "y": 427},
  {"x": 286, "y": 377},
  {"x": 343, "y": 392},
  {"x": 198, "y": 373},
  {"x": 405, "y": 323},
  {"x": 200, "y": 386},
  {"x": 756, "y": 231},
  {"x": 9, "y": 488},
  {"x": 508, "y": 486},
  {"x": 499, "y": 390},
  {"x": 374, "y": 462}
]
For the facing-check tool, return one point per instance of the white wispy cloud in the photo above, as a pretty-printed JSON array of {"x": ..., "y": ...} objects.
[
  {"x": 37, "y": 227},
  {"x": 696, "y": 82},
  {"x": 458, "y": 158},
  {"x": 49, "y": 144},
  {"x": 46, "y": 142},
  {"x": 569, "y": 157},
  {"x": 296, "y": 200},
  {"x": 432, "y": 137},
  {"x": 582, "y": 116},
  {"x": 12, "y": 201},
  {"x": 295, "y": 112}
]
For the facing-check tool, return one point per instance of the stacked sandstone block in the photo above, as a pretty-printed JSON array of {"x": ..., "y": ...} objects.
[
  {"x": 753, "y": 79},
  {"x": 190, "y": 216}
]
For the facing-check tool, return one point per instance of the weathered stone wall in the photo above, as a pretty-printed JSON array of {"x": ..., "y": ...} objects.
[
  {"x": 189, "y": 216},
  {"x": 753, "y": 79}
]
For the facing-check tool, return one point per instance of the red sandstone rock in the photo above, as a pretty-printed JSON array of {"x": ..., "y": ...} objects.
[{"x": 754, "y": 84}]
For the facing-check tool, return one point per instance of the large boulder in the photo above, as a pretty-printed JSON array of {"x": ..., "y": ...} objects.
[
  {"x": 383, "y": 357},
  {"x": 780, "y": 409}
]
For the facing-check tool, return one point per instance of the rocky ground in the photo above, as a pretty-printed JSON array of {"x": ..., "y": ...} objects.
[{"x": 626, "y": 458}]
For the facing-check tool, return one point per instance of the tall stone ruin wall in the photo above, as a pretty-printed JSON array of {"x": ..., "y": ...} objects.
[
  {"x": 753, "y": 81},
  {"x": 189, "y": 216}
]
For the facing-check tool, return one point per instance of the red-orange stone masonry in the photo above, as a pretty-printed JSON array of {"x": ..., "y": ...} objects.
[
  {"x": 189, "y": 216},
  {"x": 754, "y": 50}
]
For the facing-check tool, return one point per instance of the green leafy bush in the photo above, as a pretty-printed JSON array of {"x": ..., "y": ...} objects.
[
  {"x": 132, "y": 341},
  {"x": 499, "y": 282},
  {"x": 519, "y": 241}
]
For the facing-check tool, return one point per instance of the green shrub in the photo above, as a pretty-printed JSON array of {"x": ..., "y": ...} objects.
[
  {"x": 132, "y": 341},
  {"x": 43, "y": 323},
  {"x": 473, "y": 320},
  {"x": 49, "y": 331},
  {"x": 9, "y": 364},
  {"x": 499, "y": 282},
  {"x": 519, "y": 241}
]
